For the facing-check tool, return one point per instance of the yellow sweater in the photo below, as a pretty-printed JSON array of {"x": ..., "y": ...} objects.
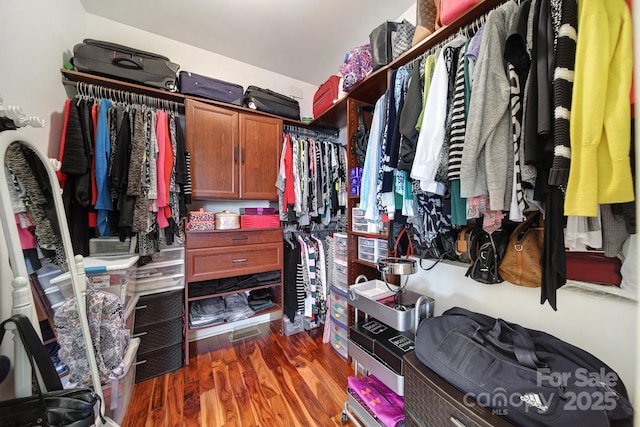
[{"x": 600, "y": 170}]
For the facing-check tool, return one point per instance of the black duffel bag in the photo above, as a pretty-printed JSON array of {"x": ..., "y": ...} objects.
[
  {"x": 52, "y": 408},
  {"x": 529, "y": 377}
]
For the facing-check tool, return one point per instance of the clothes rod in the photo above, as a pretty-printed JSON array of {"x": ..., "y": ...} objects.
[{"x": 97, "y": 91}]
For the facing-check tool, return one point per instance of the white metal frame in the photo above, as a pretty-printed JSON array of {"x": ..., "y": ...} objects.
[{"x": 22, "y": 298}]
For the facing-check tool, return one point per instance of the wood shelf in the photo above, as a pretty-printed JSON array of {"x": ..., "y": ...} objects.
[
  {"x": 275, "y": 309},
  {"x": 233, "y": 291}
]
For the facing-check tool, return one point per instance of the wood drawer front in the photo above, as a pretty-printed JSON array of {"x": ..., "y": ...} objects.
[
  {"x": 216, "y": 263},
  {"x": 216, "y": 239}
]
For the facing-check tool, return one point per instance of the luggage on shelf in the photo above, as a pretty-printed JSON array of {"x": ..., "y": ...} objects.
[
  {"x": 126, "y": 63},
  {"x": 533, "y": 378},
  {"x": 272, "y": 102},
  {"x": 326, "y": 93},
  {"x": 208, "y": 87}
]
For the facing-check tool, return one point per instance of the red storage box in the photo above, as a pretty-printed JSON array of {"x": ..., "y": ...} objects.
[
  {"x": 257, "y": 211},
  {"x": 259, "y": 221}
]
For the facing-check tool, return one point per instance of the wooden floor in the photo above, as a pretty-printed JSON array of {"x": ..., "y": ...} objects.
[{"x": 267, "y": 380}]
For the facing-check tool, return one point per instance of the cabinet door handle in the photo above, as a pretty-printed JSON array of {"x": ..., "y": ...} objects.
[
  {"x": 456, "y": 422},
  {"x": 141, "y": 307},
  {"x": 235, "y": 154},
  {"x": 140, "y": 362},
  {"x": 240, "y": 238},
  {"x": 139, "y": 335},
  {"x": 240, "y": 260},
  {"x": 242, "y": 155}
]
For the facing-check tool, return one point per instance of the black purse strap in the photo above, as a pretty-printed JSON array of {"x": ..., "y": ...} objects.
[{"x": 36, "y": 352}]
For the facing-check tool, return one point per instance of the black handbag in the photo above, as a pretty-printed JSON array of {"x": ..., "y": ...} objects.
[{"x": 55, "y": 407}]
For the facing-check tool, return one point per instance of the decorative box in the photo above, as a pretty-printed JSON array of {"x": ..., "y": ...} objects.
[
  {"x": 226, "y": 220},
  {"x": 257, "y": 211},
  {"x": 201, "y": 215},
  {"x": 201, "y": 225},
  {"x": 260, "y": 221}
]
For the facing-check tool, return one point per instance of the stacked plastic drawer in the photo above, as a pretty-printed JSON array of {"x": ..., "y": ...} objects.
[
  {"x": 371, "y": 249},
  {"x": 339, "y": 308},
  {"x": 165, "y": 273},
  {"x": 340, "y": 278}
]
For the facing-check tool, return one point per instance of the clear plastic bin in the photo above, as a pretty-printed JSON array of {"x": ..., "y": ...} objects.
[
  {"x": 158, "y": 269},
  {"x": 340, "y": 247},
  {"x": 117, "y": 394},
  {"x": 168, "y": 254},
  {"x": 157, "y": 284},
  {"x": 111, "y": 274},
  {"x": 340, "y": 273},
  {"x": 294, "y": 327}
]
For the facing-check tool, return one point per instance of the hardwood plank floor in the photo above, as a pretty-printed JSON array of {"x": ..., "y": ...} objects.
[{"x": 267, "y": 380}]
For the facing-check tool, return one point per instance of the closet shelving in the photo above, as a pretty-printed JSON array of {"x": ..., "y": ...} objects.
[
  {"x": 72, "y": 77},
  {"x": 371, "y": 88},
  {"x": 344, "y": 113}
]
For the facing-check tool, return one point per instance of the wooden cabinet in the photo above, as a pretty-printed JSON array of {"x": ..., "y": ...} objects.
[
  {"x": 234, "y": 155},
  {"x": 223, "y": 254}
]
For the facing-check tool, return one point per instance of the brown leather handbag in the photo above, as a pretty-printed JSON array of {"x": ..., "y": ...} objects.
[
  {"x": 427, "y": 19},
  {"x": 521, "y": 262}
]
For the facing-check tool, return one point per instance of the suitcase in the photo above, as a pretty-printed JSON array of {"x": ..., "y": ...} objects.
[
  {"x": 208, "y": 87},
  {"x": 532, "y": 377},
  {"x": 126, "y": 63},
  {"x": 325, "y": 95},
  {"x": 271, "y": 102}
]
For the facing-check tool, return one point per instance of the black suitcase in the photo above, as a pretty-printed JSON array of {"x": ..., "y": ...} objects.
[
  {"x": 271, "y": 102},
  {"x": 208, "y": 87},
  {"x": 126, "y": 63}
]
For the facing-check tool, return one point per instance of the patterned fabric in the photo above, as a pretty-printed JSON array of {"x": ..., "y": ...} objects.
[
  {"x": 404, "y": 37},
  {"x": 356, "y": 67},
  {"x": 109, "y": 335},
  {"x": 562, "y": 89}
]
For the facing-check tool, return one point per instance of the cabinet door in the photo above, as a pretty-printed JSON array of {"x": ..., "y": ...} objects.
[
  {"x": 260, "y": 156},
  {"x": 212, "y": 139}
]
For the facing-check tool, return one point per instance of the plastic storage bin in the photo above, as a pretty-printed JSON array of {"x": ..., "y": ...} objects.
[
  {"x": 339, "y": 340},
  {"x": 339, "y": 304},
  {"x": 152, "y": 285},
  {"x": 169, "y": 253},
  {"x": 340, "y": 247},
  {"x": 340, "y": 275},
  {"x": 294, "y": 327},
  {"x": 117, "y": 394},
  {"x": 113, "y": 274}
]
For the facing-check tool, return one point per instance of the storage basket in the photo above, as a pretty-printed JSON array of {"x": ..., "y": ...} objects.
[{"x": 159, "y": 307}]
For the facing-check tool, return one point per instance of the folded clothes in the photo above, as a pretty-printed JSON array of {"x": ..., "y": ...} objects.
[
  {"x": 237, "y": 307},
  {"x": 268, "y": 277},
  {"x": 262, "y": 306}
]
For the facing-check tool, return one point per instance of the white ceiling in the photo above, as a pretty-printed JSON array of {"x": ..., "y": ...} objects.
[{"x": 302, "y": 39}]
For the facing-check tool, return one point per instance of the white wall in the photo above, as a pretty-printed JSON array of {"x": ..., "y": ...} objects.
[
  {"x": 200, "y": 61},
  {"x": 604, "y": 325},
  {"x": 37, "y": 37}
]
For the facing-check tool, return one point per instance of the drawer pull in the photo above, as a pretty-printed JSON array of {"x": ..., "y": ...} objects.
[
  {"x": 240, "y": 260},
  {"x": 456, "y": 422},
  {"x": 240, "y": 238},
  {"x": 139, "y": 335},
  {"x": 140, "y": 362},
  {"x": 141, "y": 307}
]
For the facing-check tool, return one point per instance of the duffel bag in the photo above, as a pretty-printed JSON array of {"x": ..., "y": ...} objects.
[
  {"x": 126, "y": 63},
  {"x": 529, "y": 377},
  {"x": 272, "y": 102}
]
